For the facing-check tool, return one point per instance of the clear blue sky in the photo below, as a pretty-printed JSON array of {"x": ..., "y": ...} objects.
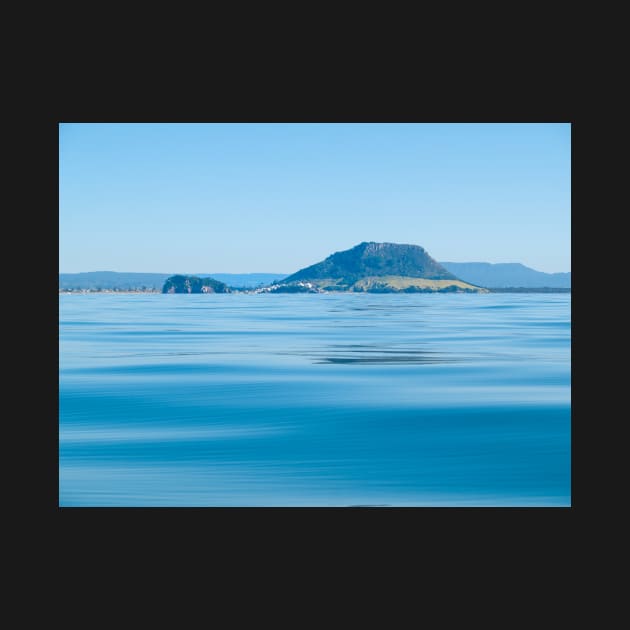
[{"x": 211, "y": 198}]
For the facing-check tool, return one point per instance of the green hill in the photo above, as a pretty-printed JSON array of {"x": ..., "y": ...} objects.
[
  {"x": 193, "y": 284},
  {"x": 381, "y": 268}
]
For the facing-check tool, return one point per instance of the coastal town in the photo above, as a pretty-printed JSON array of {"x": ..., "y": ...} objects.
[
  {"x": 295, "y": 287},
  {"x": 298, "y": 287}
]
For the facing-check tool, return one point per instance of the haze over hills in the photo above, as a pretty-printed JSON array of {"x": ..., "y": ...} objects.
[
  {"x": 245, "y": 279},
  {"x": 358, "y": 262},
  {"x": 502, "y": 275},
  {"x": 379, "y": 267},
  {"x": 112, "y": 280},
  {"x": 155, "y": 281}
]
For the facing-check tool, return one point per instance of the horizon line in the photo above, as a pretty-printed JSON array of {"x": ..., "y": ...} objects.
[{"x": 241, "y": 273}]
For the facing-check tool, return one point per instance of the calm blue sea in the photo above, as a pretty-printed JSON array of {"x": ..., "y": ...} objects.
[{"x": 314, "y": 400}]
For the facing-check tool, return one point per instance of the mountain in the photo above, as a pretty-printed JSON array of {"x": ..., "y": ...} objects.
[
  {"x": 379, "y": 268},
  {"x": 193, "y": 284},
  {"x": 502, "y": 275}
]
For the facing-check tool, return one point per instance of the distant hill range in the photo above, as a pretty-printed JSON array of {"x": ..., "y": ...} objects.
[
  {"x": 246, "y": 280},
  {"x": 155, "y": 281},
  {"x": 503, "y": 275},
  {"x": 368, "y": 266},
  {"x": 379, "y": 268},
  {"x": 112, "y": 280}
]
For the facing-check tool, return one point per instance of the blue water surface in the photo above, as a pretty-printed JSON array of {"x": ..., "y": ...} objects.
[{"x": 314, "y": 400}]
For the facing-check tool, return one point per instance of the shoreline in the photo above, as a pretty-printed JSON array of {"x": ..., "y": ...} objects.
[{"x": 257, "y": 292}]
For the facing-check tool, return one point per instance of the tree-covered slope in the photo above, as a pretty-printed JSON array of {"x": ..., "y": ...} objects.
[
  {"x": 193, "y": 284},
  {"x": 376, "y": 259}
]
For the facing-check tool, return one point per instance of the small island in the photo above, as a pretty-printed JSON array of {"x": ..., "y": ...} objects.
[{"x": 193, "y": 284}]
